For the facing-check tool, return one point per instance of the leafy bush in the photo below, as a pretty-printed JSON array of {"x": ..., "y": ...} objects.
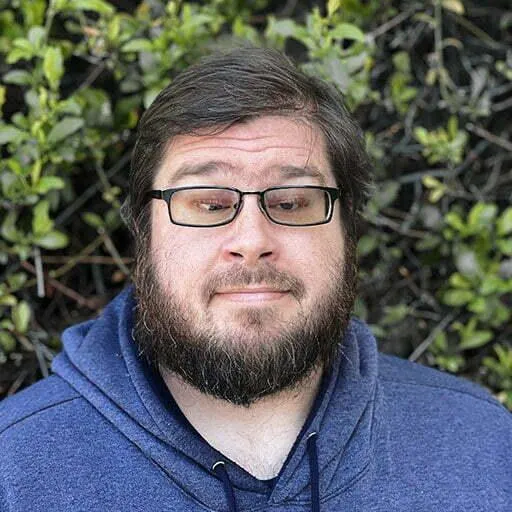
[{"x": 430, "y": 82}]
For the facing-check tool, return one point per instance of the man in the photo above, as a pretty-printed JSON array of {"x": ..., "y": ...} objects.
[{"x": 229, "y": 377}]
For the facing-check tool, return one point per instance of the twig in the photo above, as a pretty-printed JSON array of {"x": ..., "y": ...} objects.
[
  {"x": 111, "y": 248},
  {"x": 382, "y": 29},
  {"x": 98, "y": 280},
  {"x": 93, "y": 260},
  {"x": 395, "y": 226},
  {"x": 18, "y": 382},
  {"x": 68, "y": 292},
  {"x": 447, "y": 173},
  {"x": 502, "y": 105},
  {"x": 420, "y": 349},
  {"x": 443, "y": 74},
  {"x": 26, "y": 343},
  {"x": 75, "y": 259},
  {"x": 494, "y": 139},
  {"x": 39, "y": 272},
  {"x": 476, "y": 31},
  {"x": 95, "y": 73},
  {"x": 88, "y": 193},
  {"x": 40, "y": 359}
]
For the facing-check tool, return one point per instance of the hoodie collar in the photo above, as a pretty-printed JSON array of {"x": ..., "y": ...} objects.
[{"x": 101, "y": 362}]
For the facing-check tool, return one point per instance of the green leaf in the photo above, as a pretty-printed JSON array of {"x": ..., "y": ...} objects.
[
  {"x": 53, "y": 66},
  {"x": 347, "y": 31},
  {"x": 450, "y": 363},
  {"x": 36, "y": 36},
  {"x": 8, "y": 300},
  {"x": 33, "y": 12},
  {"x": 150, "y": 95},
  {"x": 428, "y": 243},
  {"x": 332, "y": 7},
  {"x": 98, "y": 6},
  {"x": 457, "y": 297},
  {"x": 7, "y": 342},
  {"x": 455, "y": 6},
  {"x": 284, "y": 28},
  {"x": 505, "y": 246},
  {"x": 482, "y": 216},
  {"x": 9, "y": 231},
  {"x": 18, "y": 77},
  {"x": 64, "y": 128},
  {"x": 52, "y": 240},
  {"x": 491, "y": 284},
  {"x": 17, "y": 280},
  {"x": 395, "y": 314},
  {"x": 454, "y": 220},
  {"x": 431, "y": 182},
  {"x": 93, "y": 219},
  {"x": 47, "y": 183},
  {"x": 21, "y": 316},
  {"x": 22, "y": 49},
  {"x": 466, "y": 261},
  {"x": 459, "y": 281},
  {"x": 504, "y": 223},
  {"x": 422, "y": 136},
  {"x": 367, "y": 244},
  {"x": 138, "y": 45},
  {"x": 9, "y": 134},
  {"x": 475, "y": 339},
  {"x": 41, "y": 222}
]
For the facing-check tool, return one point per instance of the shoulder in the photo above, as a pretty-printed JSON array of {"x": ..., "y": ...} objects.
[
  {"x": 413, "y": 386},
  {"x": 45, "y": 397}
]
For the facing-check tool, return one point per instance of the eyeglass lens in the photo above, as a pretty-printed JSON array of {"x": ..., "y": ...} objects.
[{"x": 211, "y": 206}]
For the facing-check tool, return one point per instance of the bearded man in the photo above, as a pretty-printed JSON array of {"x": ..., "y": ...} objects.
[{"x": 230, "y": 375}]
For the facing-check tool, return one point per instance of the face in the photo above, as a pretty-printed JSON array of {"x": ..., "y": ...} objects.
[{"x": 252, "y": 307}]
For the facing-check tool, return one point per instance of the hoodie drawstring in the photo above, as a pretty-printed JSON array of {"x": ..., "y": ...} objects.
[
  {"x": 313, "y": 472},
  {"x": 220, "y": 470}
]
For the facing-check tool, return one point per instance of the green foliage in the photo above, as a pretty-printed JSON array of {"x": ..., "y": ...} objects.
[
  {"x": 429, "y": 82},
  {"x": 500, "y": 370},
  {"x": 443, "y": 144},
  {"x": 402, "y": 93},
  {"x": 323, "y": 37},
  {"x": 479, "y": 246}
]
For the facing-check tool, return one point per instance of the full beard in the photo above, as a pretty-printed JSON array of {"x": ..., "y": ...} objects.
[{"x": 266, "y": 354}]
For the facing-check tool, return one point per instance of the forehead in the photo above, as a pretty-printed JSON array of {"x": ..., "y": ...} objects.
[{"x": 269, "y": 148}]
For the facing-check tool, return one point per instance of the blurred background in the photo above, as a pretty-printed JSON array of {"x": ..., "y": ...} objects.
[{"x": 429, "y": 81}]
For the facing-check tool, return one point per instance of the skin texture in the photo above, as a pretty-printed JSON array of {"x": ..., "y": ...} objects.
[
  {"x": 248, "y": 281},
  {"x": 254, "y": 153}
]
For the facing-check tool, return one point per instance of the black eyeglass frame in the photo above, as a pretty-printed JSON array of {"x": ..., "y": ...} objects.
[{"x": 166, "y": 195}]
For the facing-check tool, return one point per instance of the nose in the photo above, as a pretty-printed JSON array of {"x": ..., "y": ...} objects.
[{"x": 252, "y": 237}]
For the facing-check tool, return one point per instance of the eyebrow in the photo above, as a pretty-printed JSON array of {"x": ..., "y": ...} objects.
[{"x": 216, "y": 167}]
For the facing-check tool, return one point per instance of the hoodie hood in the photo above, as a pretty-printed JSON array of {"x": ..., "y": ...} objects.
[{"x": 100, "y": 361}]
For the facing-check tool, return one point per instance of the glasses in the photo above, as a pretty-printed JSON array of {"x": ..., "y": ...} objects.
[{"x": 206, "y": 207}]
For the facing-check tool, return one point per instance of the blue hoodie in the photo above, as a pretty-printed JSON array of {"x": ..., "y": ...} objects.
[{"x": 103, "y": 434}]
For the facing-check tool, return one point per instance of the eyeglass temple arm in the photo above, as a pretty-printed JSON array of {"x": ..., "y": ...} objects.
[{"x": 155, "y": 194}]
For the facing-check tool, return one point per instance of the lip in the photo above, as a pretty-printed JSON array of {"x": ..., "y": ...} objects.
[{"x": 263, "y": 294}]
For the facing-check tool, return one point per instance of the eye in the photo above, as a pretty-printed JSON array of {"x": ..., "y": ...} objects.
[
  {"x": 288, "y": 203},
  {"x": 213, "y": 205}
]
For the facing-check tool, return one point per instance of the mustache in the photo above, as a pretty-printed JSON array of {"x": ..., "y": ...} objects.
[{"x": 239, "y": 275}]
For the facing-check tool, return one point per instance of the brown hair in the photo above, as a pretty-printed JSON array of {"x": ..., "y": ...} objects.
[{"x": 224, "y": 89}]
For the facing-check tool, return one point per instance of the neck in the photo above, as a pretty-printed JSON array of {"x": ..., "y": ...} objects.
[{"x": 259, "y": 437}]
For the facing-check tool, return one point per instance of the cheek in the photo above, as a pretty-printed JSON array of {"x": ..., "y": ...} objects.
[
  {"x": 181, "y": 261},
  {"x": 314, "y": 258}
]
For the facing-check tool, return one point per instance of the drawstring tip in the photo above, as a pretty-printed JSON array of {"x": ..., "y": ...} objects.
[{"x": 219, "y": 468}]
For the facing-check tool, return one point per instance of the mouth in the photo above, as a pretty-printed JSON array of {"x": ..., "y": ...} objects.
[{"x": 251, "y": 294}]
